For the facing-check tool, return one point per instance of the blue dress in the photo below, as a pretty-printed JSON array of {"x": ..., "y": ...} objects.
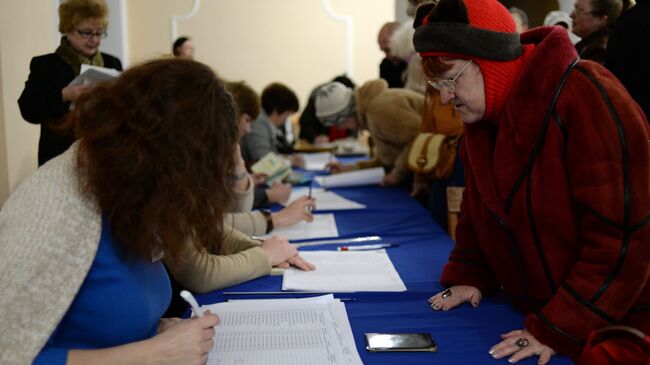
[{"x": 120, "y": 301}]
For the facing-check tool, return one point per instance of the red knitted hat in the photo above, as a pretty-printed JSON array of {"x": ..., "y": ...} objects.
[{"x": 480, "y": 30}]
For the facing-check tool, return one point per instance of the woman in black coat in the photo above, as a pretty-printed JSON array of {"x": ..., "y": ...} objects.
[{"x": 47, "y": 95}]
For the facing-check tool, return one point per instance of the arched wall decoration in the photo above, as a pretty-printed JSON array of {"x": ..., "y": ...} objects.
[
  {"x": 175, "y": 18},
  {"x": 347, "y": 19}
]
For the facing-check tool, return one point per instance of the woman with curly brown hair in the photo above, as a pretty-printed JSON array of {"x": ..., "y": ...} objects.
[{"x": 81, "y": 240}]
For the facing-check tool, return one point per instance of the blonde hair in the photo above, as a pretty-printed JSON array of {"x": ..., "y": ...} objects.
[{"x": 73, "y": 12}]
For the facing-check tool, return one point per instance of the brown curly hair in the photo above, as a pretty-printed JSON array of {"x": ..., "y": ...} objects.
[
  {"x": 73, "y": 12},
  {"x": 156, "y": 151},
  {"x": 246, "y": 99}
]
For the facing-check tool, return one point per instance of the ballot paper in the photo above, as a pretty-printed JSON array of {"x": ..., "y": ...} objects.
[
  {"x": 361, "y": 177},
  {"x": 323, "y": 226},
  {"x": 340, "y": 271},
  {"x": 325, "y": 200},
  {"x": 90, "y": 75},
  {"x": 317, "y": 161},
  {"x": 313, "y": 331}
]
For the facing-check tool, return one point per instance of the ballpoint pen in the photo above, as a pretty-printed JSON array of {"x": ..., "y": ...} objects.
[
  {"x": 368, "y": 247},
  {"x": 189, "y": 298}
]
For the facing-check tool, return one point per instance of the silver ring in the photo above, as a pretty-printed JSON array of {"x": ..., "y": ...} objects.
[
  {"x": 445, "y": 294},
  {"x": 521, "y": 343}
]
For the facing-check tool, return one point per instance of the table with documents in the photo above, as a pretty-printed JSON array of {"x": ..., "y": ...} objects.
[{"x": 463, "y": 335}]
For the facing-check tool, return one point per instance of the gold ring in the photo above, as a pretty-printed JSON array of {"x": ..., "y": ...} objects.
[
  {"x": 446, "y": 293},
  {"x": 521, "y": 343}
]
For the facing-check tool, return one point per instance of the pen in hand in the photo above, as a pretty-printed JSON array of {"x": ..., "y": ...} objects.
[{"x": 189, "y": 298}]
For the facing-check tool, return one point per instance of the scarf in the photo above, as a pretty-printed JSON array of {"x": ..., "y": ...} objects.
[{"x": 75, "y": 59}]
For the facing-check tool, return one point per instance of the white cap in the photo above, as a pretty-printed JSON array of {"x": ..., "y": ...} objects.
[
  {"x": 556, "y": 17},
  {"x": 332, "y": 99}
]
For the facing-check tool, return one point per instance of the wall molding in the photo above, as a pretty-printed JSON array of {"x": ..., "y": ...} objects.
[
  {"x": 349, "y": 26},
  {"x": 173, "y": 24}
]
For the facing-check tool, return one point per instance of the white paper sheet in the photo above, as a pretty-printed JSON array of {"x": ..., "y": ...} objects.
[
  {"x": 325, "y": 200},
  {"x": 345, "y": 272},
  {"x": 317, "y": 161},
  {"x": 371, "y": 176},
  {"x": 324, "y": 225},
  {"x": 90, "y": 75},
  {"x": 283, "y": 332}
]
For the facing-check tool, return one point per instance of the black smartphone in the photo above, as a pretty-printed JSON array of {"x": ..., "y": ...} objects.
[{"x": 379, "y": 342}]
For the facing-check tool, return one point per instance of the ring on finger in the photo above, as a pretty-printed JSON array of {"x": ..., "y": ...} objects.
[
  {"x": 521, "y": 343},
  {"x": 447, "y": 293}
]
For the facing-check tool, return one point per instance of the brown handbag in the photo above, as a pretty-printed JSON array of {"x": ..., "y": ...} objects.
[{"x": 433, "y": 154}]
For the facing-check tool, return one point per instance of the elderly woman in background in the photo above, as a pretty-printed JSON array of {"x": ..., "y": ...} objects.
[
  {"x": 393, "y": 117},
  {"x": 81, "y": 240},
  {"x": 557, "y": 169},
  {"x": 47, "y": 95},
  {"x": 593, "y": 21}
]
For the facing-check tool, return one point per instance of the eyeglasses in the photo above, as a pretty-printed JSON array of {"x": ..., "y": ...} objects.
[
  {"x": 448, "y": 84},
  {"x": 87, "y": 34},
  {"x": 578, "y": 11}
]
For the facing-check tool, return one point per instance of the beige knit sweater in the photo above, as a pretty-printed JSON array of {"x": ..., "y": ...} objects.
[{"x": 49, "y": 234}]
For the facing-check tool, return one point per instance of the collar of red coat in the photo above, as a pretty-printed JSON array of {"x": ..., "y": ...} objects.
[{"x": 523, "y": 113}]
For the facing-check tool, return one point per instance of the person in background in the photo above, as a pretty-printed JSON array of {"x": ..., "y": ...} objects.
[
  {"x": 267, "y": 131},
  {"x": 392, "y": 116},
  {"x": 149, "y": 173},
  {"x": 48, "y": 94},
  {"x": 628, "y": 53},
  {"x": 557, "y": 198},
  {"x": 257, "y": 223},
  {"x": 391, "y": 68},
  {"x": 520, "y": 18},
  {"x": 557, "y": 17},
  {"x": 311, "y": 129},
  {"x": 183, "y": 47},
  {"x": 593, "y": 21}
]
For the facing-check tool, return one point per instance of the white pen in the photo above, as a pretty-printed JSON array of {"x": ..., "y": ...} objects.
[
  {"x": 188, "y": 297},
  {"x": 368, "y": 247}
]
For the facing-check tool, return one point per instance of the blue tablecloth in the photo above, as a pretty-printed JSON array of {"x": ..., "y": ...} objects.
[{"x": 464, "y": 335}]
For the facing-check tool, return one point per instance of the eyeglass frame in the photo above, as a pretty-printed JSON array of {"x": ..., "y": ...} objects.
[
  {"x": 450, "y": 83},
  {"x": 579, "y": 11},
  {"x": 89, "y": 34}
]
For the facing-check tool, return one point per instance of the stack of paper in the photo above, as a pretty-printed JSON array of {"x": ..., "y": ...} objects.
[
  {"x": 371, "y": 176},
  {"x": 323, "y": 226},
  {"x": 325, "y": 200},
  {"x": 345, "y": 272},
  {"x": 317, "y": 161},
  {"x": 313, "y": 331}
]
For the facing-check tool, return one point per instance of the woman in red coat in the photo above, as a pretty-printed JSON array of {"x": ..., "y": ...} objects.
[{"x": 557, "y": 203}]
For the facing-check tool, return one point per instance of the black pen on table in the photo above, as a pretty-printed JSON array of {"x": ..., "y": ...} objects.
[{"x": 311, "y": 183}]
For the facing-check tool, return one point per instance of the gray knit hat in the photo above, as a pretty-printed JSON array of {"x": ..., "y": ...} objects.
[{"x": 334, "y": 102}]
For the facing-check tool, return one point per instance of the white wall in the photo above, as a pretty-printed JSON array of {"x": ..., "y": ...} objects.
[{"x": 261, "y": 41}]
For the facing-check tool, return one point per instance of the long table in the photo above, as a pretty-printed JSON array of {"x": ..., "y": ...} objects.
[{"x": 464, "y": 334}]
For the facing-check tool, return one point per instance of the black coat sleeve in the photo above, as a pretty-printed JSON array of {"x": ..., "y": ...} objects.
[{"x": 41, "y": 100}]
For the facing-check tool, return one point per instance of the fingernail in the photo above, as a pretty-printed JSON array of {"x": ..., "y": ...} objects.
[
  {"x": 475, "y": 304},
  {"x": 511, "y": 360},
  {"x": 495, "y": 355},
  {"x": 436, "y": 306},
  {"x": 491, "y": 351},
  {"x": 429, "y": 300}
]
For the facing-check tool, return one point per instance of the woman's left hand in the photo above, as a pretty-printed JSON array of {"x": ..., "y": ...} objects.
[
  {"x": 298, "y": 262},
  {"x": 521, "y": 344}
]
